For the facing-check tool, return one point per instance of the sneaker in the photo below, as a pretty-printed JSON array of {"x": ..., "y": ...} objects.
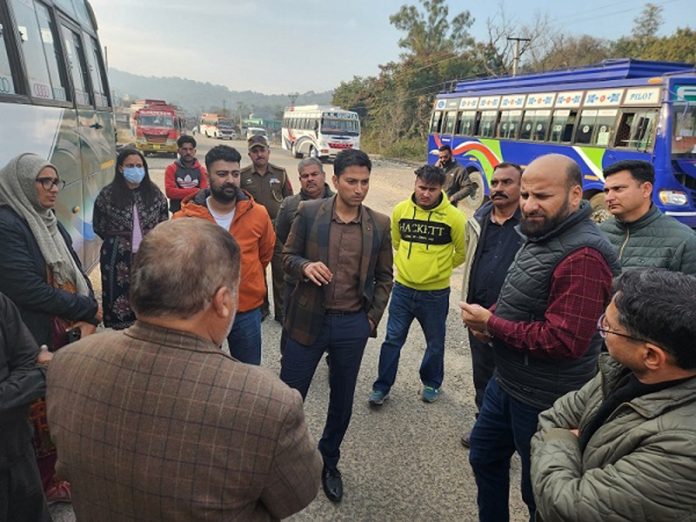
[
  {"x": 430, "y": 394},
  {"x": 466, "y": 439},
  {"x": 377, "y": 398}
]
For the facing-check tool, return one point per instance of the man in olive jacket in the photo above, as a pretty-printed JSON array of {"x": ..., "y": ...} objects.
[
  {"x": 623, "y": 447},
  {"x": 643, "y": 235}
]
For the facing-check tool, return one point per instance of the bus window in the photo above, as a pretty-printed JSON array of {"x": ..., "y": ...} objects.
[
  {"x": 7, "y": 85},
  {"x": 562, "y": 125},
  {"x": 509, "y": 124},
  {"x": 541, "y": 125},
  {"x": 49, "y": 36},
  {"x": 96, "y": 72},
  {"x": 466, "y": 123},
  {"x": 635, "y": 129},
  {"x": 67, "y": 6},
  {"x": 684, "y": 131},
  {"x": 450, "y": 120},
  {"x": 487, "y": 124},
  {"x": 586, "y": 127},
  {"x": 596, "y": 126},
  {"x": 77, "y": 66},
  {"x": 436, "y": 122},
  {"x": 32, "y": 49},
  {"x": 527, "y": 125}
]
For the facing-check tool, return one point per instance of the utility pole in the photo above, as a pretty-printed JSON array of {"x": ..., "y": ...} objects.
[{"x": 518, "y": 53}]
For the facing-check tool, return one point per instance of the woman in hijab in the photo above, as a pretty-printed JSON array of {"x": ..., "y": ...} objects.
[
  {"x": 125, "y": 210},
  {"x": 41, "y": 273}
]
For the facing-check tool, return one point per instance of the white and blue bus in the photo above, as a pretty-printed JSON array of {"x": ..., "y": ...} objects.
[
  {"x": 597, "y": 115},
  {"x": 55, "y": 102},
  {"x": 319, "y": 131}
]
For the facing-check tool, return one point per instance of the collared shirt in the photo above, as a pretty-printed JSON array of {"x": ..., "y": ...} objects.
[
  {"x": 496, "y": 249},
  {"x": 343, "y": 293},
  {"x": 268, "y": 189},
  {"x": 580, "y": 290}
]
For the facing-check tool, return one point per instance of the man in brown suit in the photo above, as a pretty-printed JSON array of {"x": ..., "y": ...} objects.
[
  {"x": 156, "y": 423},
  {"x": 339, "y": 252}
]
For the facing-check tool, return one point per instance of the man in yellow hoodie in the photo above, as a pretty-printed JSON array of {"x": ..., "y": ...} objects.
[{"x": 428, "y": 236}]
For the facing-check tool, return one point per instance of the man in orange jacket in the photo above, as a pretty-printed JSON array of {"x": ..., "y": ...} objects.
[{"x": 226, "y": 204}]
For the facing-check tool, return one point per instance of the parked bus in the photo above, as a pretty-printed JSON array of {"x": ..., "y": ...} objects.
[
  {"x": 597, "y": 115},
  {"x": 214, "y": 126},
  {"x": 319, "y": 131},
  {"x": 55, "y": 102}
]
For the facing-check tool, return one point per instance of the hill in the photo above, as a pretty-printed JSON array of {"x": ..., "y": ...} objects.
[{"x": 197, "y": 97}]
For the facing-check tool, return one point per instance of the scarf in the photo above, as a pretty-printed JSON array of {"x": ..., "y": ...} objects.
[{"x": 18, "y": 190}]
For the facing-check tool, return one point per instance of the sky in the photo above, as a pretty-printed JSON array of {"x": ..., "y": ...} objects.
[{"x": 283, "y": 46}]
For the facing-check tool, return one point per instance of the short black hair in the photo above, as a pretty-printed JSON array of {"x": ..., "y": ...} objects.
[
  {"x": 431, "y": 174},
  {"x": 351, "y": 158},
  {"x": 641, "y": 171},
  {"x": 660, "y": 305},
  {"x": 186, "y": 139},
  {"x": 444, "y": 148},
  {"x": 506, "y": 164},
  {"x": 224, "y": 153}
]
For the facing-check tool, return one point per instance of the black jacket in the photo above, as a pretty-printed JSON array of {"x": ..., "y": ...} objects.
[
  {"x": 24, "y": 279},
  {"x": 21, "y": 382}
]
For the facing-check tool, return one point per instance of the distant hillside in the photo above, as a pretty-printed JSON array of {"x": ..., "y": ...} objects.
[{"x": 196, "y": 97}]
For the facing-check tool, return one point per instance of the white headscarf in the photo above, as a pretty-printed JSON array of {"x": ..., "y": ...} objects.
[{"x": 18, "y": 191}]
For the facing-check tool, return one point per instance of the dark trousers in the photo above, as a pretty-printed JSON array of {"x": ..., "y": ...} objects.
[
  {"x": 244, "y": 339},
  {"x": 429, "y": 308},
  {"x": 344, "y": 336},
  {"x": 504, "y": 425},
  {"x": 483, "y": 365},
  {"x": 277, "y": 276},
  {"x": 21, "y": 493}
]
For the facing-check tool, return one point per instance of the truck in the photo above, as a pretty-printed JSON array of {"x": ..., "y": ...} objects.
[{"x": 156, "y": 126}]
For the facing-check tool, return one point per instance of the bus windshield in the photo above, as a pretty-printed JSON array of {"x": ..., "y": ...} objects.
[
  {"x": 155, "y": 121},
  {"x": 684, "y": 131},
  {"x": 339, "y": 126},
  {"x": 226, "y": 124}
]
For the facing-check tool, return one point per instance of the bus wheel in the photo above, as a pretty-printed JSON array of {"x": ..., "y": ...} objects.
[{"x": 295, "y": 153}]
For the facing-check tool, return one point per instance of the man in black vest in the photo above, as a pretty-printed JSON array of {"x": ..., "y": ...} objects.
[{"x": 542, "y": 329}]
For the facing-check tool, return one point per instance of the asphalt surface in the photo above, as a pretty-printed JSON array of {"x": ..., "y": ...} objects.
[{"x": 404, "y": 461}]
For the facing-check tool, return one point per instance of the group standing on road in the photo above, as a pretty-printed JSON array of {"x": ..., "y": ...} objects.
[{"x": 546, "y": 292}]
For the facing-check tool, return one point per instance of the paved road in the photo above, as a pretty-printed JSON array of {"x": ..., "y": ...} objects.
[{"x": 404, "y": 461}]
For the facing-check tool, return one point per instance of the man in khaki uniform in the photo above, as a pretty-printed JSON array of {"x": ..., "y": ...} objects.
[{"x": 269, "y": 185}]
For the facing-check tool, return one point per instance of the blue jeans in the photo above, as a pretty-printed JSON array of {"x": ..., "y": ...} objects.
[
  {"x": 430, "y": 308},
  {"x": 504, "y": 425},
  {"x": 245, "y": 337},
  {"x": 344, "y": 336}
]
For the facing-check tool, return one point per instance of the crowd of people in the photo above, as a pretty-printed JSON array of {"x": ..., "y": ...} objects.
[{"x": 581, "y": 335}]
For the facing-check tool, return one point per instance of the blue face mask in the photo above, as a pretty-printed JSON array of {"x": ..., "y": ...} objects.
[{"x": 134, "y": 174}]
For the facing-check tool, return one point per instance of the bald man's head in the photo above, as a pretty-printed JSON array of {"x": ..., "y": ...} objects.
[{"x": 551, "y": 190}]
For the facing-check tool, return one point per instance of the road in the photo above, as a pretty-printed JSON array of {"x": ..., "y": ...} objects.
[{"x": 404, "y": 461}]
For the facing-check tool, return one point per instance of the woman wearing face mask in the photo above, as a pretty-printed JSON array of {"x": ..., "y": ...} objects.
[
  {"x": 41, "y": 273},
  {"x": 125, "y": 210}
]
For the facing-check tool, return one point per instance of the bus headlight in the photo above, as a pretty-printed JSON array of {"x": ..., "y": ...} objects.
[{"x": 673, "y": 197}]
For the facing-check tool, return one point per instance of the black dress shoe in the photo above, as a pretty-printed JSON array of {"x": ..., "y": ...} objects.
[
  {"x": 332, "y": 483},
  {"x": 466, "y": 440}
]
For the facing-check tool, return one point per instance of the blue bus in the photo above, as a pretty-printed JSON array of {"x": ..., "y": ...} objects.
[
  {"x": 55, "y": 102},
  {"x": 597, "y": 115}
]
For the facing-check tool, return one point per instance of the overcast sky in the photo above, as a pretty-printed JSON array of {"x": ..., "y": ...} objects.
[{"x": 281, "y": 46}]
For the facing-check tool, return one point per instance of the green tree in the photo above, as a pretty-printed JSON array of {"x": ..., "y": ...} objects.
[
  {"x": 678, "y": 47},
  {"x": 643, "y": 34}
]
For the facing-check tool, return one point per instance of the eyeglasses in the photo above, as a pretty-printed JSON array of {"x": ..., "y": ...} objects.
[
  {"x": 604, "y": 331},
  {"x": 49, "y": 183}
]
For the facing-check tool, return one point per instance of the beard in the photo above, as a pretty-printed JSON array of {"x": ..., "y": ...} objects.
[
  {"x": 225, "y": 193},
  {"x": 545, "y": 225}
]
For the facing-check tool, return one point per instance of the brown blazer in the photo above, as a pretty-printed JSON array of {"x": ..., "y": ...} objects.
[
  {"x": 157, "y": 424},
  {"x": 309, "y": 241}
]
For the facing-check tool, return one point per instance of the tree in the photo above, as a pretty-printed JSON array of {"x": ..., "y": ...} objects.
[
  {"x": 573, "y": 51},
  {"x": 430, "y": 31},
  {"x": 679, "y": 47},
  {"x": 643, "y": 34}
]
